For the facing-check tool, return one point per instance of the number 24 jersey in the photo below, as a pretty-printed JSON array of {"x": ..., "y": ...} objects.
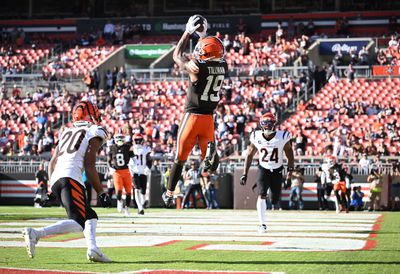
[
  {"x": 270, "y": 151},
  {"x": 72, "y": 148}
]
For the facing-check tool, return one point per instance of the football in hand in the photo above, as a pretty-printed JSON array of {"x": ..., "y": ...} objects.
[{"x": 201, "y": 22}]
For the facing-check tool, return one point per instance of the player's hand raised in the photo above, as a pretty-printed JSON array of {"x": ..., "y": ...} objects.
[
  {"x": 105, "y": 200},
  {"x": 243, "y": 180},
  {"x": 192, "y": 24}
]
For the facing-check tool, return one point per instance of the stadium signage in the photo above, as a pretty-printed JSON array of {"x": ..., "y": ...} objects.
[
  {"x": 146, "y": 51},
  {"x": 332, "y": 47},
  {"x": 386, "y": 70}
]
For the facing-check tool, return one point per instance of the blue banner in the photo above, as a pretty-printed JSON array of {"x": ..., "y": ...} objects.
[{"x": 331, "y": 48}]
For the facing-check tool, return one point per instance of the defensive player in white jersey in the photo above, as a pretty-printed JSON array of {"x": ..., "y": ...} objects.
[
  {"x": 270, "y": 145},
  {"x": 76, "y": 152},
  {"x": 139, "y": 166}
]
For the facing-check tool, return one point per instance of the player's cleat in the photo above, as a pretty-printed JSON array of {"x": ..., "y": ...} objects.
[
  {"x": 168, "y": 201},
  {"x": 95, "y": 255},
  {"x": 31, "y": 239},
  {"x": 262, "y": 229},
  {"x": 140, "y": 212},
  {"x": 120, "y": 206},
  {"x": 126, "y": 212}
]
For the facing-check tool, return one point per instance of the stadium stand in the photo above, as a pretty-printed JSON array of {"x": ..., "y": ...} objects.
[{"x": 348, "y": 117}]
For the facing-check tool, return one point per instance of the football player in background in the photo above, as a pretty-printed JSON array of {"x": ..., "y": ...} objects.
[
  {"x": 76, "y": 152},
  {"x": 140, "y": 166},
  {"x": 270, "y": 145},
  {"x": 207, "y": 70},
  {"x": 338, "y": 176},
  {"x": 118, "y": 158}
]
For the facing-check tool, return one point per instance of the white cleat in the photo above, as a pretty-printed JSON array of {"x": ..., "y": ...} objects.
[
  {"x": 126, "y": 212},
  {"x": 120, "y": 206},
  {"x": 95, "y": 255},
  {"x": 262, "y": 229},
  {"x": 31, "y": 240}
]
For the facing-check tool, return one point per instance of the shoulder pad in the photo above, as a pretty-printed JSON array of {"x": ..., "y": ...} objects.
[
  {"x": 98, "y": 131},
  {"x": 286, "y": 135}
]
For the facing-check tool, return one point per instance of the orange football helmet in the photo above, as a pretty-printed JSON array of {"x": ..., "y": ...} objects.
[
  {"x": 209, "y": 48},
  {"x": 86, "y": 111}
]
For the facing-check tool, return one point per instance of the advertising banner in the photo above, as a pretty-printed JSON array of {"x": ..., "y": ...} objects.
[
  {"x": 386, "y": 70},
  {"x": 332, "y": 47},
  {"x": 176, "y": 25},
  {"x": 146, "y": 51}
]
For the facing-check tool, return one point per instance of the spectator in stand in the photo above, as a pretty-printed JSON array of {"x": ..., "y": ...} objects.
[
  {"x": 109, "y": 30},
  {"x": 393, "y": 43},
  {"x": 381, "y": 58},
  {"x": 300, "y": 143},
  {"x": 240, "y": 120},
  {"x": 227, "y": 43},
  {"x": 350, "y": 73},
  {"x": 364, "y": 163},
  {"x": 363, "y": 56}
]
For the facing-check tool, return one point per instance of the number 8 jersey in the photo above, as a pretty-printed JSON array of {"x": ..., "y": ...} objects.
[
  {"x": 270, "y": 151},
  {"x": 72, "y": 148}
]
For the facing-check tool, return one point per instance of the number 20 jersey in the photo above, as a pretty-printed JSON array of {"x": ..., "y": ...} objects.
[
  {"x": 203, "y": 95},
  {"x": 72, "y": 148},
  {"x": 270, "y": 151}
]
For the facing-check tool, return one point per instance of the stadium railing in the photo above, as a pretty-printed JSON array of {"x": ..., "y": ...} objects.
[{"x": 310, "y": 165}]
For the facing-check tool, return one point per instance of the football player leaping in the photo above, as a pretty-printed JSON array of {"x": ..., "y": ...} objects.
[
  {"x": 118, "y": 158},
  {"x": 139, "y": 166},
  {"x": 270, "y": 145},
  {"x": 207, "y": 72},
  {"x": 75, "y": 153}
]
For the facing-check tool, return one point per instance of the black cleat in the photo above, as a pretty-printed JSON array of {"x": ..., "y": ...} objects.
[
  {"x": 168, "y": 201},
  {"x": 141, "y": 212},
  {"x": 209, "y": 160}
]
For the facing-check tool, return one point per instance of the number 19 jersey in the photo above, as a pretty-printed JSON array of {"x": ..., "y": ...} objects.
[
  {"x": 203, "y": 95},
  {"x": 270, "y": 151},
  {"x": 72, "y": 148}
]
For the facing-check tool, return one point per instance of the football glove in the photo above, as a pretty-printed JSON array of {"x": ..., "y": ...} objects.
[
  {"x": 191, "y": 25},
  {"x": 111, "y": 171},
  {"x": 243, "y": 180},
  {"x": 105, "y": 200}
]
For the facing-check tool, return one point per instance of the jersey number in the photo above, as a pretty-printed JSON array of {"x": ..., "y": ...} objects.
[
  {"x": 216, "y": 82},
  {"x": 120, "y": 159},
  {"x": 73, "y": 140},
  {"x": 272, "y": 158}
]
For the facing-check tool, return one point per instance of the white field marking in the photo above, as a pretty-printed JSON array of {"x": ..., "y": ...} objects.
[
  {"x": 222, "y": 236},
  {"x": 294, "y": 244},
  {"x": 42, "y": 270},
  {"x": 249, "y": 214},
  {"x": 281, "y": 243},
  {"x": 10, "y": 235},
  {"x": 200, "y": 225}
]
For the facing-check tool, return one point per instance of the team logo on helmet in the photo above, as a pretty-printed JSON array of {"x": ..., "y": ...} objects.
[{"x": 209, "y": 48}]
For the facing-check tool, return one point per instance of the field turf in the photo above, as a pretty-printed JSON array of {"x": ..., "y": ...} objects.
[{"x": 383, "y": 256}]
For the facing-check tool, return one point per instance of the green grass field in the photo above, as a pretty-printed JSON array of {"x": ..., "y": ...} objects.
[{"x": 383, "y": 258}]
